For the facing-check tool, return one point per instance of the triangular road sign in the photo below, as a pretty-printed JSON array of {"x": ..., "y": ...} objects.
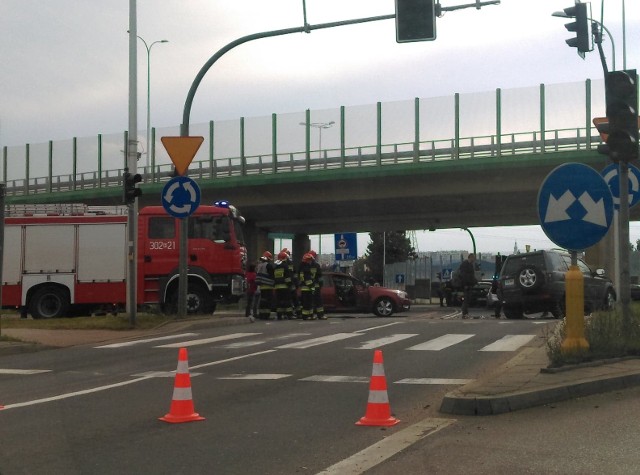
[{"x": 181, "y": 150}]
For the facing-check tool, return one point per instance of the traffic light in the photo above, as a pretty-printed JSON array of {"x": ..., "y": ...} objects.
[
  {"x": 415, "y": 20},
  {"x": 130, "y": 190},
  {"x": 621, "y": 89},
  {"x": 582, "y": 27}
]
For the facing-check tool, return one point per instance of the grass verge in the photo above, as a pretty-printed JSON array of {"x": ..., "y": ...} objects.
[
  {"x": 608, "y": 335},
  {"x": 102, "y": 322}
]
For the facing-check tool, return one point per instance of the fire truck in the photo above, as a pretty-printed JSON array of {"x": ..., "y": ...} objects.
[{"x": 72, "y": 259}]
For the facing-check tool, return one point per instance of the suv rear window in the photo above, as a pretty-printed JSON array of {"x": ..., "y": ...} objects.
[{"x": 515, "y": 263}]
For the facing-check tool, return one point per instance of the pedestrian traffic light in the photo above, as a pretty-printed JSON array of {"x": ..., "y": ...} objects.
[
  {"x": 415, "y": 20},
  {"x": 131, "y": 192},
  {"x": 621, "y": 89},
  {"x": 582, "y": 27}
]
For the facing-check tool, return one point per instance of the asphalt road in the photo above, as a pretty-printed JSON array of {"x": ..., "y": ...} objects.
[{"x": 278, "y": 397}]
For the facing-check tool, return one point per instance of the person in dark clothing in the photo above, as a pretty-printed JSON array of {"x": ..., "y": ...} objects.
[
  {"x": 467, "y": 273},
  {"x": 253, "y": 298}
]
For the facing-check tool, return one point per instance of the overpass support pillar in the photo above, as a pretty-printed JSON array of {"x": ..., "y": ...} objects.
[
  {"x": 257, "y": 241},
  {"x": 301, "y": 245},
  {"x": 603, "y": 256}
]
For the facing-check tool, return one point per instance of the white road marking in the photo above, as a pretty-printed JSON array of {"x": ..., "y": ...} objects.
[
  {"x": 336, "y": 379},
  {"x": 162, "y": 374},
  {"x": 441, "y": 343},
  {"x": 73, "y": 394},
  {"x": 24, "y": 371},
  {"x": 246, "y": 344},
  {"x": 442, "y": 381},
  {"x": 377, "y": 327},
  {"x": 235, "y": 358},
  {"x": 389, "y": 446},
  {"x": 256, "y": 376},
  {"x": 204, "y": 341},
  {"x": 373, "y": 344},
  {"x": 318, "y": 341},
  {"x": 146, "y": 340},
  {"x": 509, "y": 343}
]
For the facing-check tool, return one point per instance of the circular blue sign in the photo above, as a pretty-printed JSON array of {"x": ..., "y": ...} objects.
[
  {"x": 612, "y": 177},
  {"x": 575, "y": 206},
  {"x": 181, "y": 196}
]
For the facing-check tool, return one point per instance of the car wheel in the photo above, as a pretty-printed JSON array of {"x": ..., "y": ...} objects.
[
  {"x": 49, "y": 302},
  {"x": 383, "y": 307},
  {"x": 513, "y": 312},
  {"x": 530, "y": 278}
]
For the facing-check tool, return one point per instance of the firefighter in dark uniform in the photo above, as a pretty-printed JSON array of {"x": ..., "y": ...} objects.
[
  {"x": 282, "y": 277},
  {"x": 305, "y": 280},
  {"x": 295, "y": 302},
  {"x": 316, "y": 272},
  {"x": 264, "y": 279}
]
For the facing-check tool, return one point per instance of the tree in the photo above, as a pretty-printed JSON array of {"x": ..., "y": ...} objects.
[{"x": 389, "y": 247}]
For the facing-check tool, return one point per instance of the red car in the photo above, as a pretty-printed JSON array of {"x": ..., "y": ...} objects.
[{"x": 342, "y": 292}]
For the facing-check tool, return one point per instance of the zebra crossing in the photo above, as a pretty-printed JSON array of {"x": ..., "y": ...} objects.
[{"x": 506, "y": 343}]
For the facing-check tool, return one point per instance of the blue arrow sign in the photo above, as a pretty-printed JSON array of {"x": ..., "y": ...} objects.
[
  {"x": 612, "y": 177},
  {"x": 181, "y": 196},
  {"x": 575, "y": 206}
]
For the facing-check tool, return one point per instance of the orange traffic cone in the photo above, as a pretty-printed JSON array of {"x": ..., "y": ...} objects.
[
  {"x": 182, "y": 409},
  {"x": 378, "y": 409}
]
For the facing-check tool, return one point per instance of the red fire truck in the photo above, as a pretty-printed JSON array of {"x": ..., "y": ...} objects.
[{"x": 69, "y": 259}]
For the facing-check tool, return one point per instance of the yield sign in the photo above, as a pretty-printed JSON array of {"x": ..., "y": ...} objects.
[{"x": 181, "y": 150}]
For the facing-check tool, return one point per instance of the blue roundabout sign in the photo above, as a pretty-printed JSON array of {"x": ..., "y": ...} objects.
[{"x": 181, "y": 196}]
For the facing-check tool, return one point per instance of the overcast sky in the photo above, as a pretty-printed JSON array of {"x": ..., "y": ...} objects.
[{"x": 65, "y": 64}]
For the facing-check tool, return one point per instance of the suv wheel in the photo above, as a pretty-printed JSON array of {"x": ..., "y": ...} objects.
[
  {"x": 513, "y": 311},
  {"x": 530, "y": 278},
  {"x": 558, "y": 309}
]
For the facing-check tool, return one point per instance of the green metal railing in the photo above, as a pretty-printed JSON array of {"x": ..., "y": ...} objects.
[{"x": 386, "y": 142}]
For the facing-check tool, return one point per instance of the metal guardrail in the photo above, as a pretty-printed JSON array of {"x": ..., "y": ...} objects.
[{"x": 509, "y": 145}]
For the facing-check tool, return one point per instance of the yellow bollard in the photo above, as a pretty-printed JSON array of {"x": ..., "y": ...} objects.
[{"x": 574, "y": 287}]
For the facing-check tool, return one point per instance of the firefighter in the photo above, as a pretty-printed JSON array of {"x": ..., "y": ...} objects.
[
  {"x": 316, "y": 272},
  {"x": 282, "y": 277},
  {"x": 305, "y": 279},
  {"x": 295, "y": 302},
  {"x": 264, "y": 279}
]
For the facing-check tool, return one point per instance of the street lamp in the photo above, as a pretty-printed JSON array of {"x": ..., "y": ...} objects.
[
  {"x": 148, "y": 47},
  {"x": 319, "y": 126},
  {"x": 473, "y": 240}
]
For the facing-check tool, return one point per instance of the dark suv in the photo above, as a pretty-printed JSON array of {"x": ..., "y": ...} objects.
[{"x": 535, "y": 282}]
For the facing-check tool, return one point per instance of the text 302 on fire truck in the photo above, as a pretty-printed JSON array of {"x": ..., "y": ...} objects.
[{"x": 72, "y": 259}]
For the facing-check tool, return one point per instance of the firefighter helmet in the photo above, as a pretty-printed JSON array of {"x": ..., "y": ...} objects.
[
  {"x": 313, "y": 253},
  {"x": 283, "y": 256},
  {"x": 307, "y": 257},
  {"x": 267, "y": 256}
]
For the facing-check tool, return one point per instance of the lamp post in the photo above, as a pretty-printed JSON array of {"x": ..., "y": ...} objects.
[
  {"x": 319, "y": 126},
  {"x": 148, "y": 48},
  {"x": 473, "y": 240}
]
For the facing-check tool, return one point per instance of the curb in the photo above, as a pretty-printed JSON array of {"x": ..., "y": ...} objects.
[{"x": 492, "y": 405}]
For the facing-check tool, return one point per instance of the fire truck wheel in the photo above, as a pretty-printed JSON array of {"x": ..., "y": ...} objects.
[
  {"x": 49, "y": 302},
  {"x": 199, "y": 300}
]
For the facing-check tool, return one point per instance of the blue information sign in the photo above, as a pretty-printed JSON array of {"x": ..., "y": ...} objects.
[
  {"x": 181, "y": 196},
  {"x": 612, "y": 177},
  {"x": 575, "y": 206},
  {"x": 346, "y": 246}
]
